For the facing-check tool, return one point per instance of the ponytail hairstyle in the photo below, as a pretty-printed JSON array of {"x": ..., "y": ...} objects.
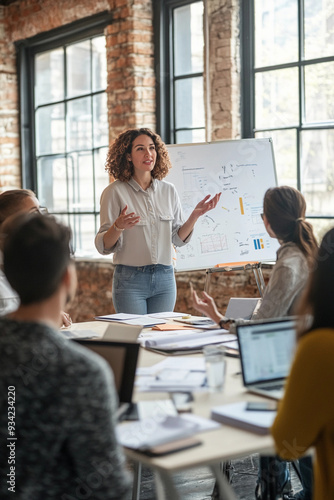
[
  {"x": 285, "y": 208},
  {"x": 11, "y": 202},
  {"x": 318, "y": 299}
]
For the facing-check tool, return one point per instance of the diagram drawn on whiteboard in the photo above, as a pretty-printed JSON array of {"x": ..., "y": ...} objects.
[{"x": 234, "y": 231}]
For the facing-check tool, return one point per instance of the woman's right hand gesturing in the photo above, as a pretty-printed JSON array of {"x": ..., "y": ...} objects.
[
  {"x": 123, "y": 221},
  {"x": 126, "y": 221}
]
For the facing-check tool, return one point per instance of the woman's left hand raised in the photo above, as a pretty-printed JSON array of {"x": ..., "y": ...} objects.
[{"x": 206, "y": 204}]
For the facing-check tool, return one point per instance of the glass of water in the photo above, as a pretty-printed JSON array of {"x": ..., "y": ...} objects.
[{"x": 215, "y": 364}]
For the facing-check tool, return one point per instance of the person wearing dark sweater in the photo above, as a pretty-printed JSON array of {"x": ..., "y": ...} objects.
[{"x": 58, "y": 399}]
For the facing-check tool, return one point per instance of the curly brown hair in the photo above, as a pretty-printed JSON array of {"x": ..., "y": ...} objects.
[{"x": 121, "y": 168}]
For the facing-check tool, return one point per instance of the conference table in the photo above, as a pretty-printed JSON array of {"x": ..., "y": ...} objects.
[{"x": 220, "y": 445}]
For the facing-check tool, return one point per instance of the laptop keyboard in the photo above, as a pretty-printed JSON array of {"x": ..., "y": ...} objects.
[{"x": 273, "y": 387}]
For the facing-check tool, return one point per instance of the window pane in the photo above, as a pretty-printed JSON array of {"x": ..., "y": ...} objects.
[
  {"x": 52, "y": 183},
  {"x": 84, "y": 231},
  {"x": 276, "y": 98},
  {"x": 285, "y": 153},
  {"x": 188, "y": 39},
  {"x": 79, "y": 120},
  {"x": 100, "y": 128},
  {"x": 99, "y": 56},
  {"x": 317, "y": 171},
  {"x": 276, "y": 32},
  {"x": 320, "y": 227},
  {"x": 101, "y": 176},
  {"x": 50, "y": 129},
  {"x": 319, "y": 92},
  {"x": 189, "y": 103},
  {"x": 190, "y": 136},
  {"x": 49, "y": 76},
  {"x": 78, "y": 68},
  {"x": 319, "y": 28},
  {"x": 81, "y": 185}
]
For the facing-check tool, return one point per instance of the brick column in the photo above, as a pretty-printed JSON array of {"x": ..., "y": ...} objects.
[
  {"x": 130, "y": 56},
  {"x": 9, "y": 115},
  {"x": 224, "y": 68}
]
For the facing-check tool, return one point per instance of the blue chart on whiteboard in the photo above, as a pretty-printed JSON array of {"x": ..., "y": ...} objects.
[{"x": 242, "y": 170}]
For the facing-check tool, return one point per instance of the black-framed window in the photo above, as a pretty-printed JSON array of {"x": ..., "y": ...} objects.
[
  {"x": 288, "y": 94},
  {"x": 64, "y": 124},
  {"x": 179, "y": 45}
]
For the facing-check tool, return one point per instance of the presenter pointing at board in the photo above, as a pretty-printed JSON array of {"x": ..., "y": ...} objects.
[{"x": 141, "y": 217}]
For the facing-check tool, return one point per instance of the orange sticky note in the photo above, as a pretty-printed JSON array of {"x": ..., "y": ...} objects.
[{"x": 171, "y": 326}]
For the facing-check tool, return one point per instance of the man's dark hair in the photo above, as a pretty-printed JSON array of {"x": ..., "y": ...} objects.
[{"x": 36, "y": 253}]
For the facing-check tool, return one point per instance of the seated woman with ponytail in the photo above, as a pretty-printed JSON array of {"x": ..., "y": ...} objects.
[
  {"x": 283, "y": 215},
  {"x": 284, "y": 218}
]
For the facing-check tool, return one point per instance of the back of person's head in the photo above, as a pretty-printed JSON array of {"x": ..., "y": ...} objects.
[
  {"x": 36, "y": 254},
  {"x": 318, "y": 300},
  {"x": 285, "y": 208},
  {"x": 13, "y": 201}
]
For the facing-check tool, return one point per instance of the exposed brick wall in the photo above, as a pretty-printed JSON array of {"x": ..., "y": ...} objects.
[
  {"x": 224, "y": 68},
  {"x": 131, "y": 79},
  {"x": 9, "y": 115},
  {"x": 95, "y": 285},
  {"x": 27, "y": 18},
  {"x": 131, "y": 103}
]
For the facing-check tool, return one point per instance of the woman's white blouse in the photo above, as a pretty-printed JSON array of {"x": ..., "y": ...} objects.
[{"x": 150, "y": 241}]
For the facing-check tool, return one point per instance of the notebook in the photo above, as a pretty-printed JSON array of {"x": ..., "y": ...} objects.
[
  {"x": 122, "y": 357},
  {"x": 266, "y": 352}
]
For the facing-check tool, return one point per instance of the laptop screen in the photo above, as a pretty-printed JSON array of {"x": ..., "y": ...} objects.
[
  {"x": 122, "y": 358},
  {"x": 266, "y": 349}
]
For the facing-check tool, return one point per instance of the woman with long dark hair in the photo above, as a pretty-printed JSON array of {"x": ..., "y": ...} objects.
[
  {"x": 284, "y": 218},
  {"x": 283, "y": 215},
  {"x": 306, "y": 414}
]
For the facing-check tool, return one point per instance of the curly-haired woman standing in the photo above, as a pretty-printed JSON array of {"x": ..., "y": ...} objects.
[{"x": 141, "y": 217}]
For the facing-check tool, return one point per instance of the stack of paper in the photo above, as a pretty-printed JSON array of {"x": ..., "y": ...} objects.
[
  {"x": 173, "y": 375},
  {"x": 237, "y": 415},
  {"x": 78, "y": 334},
  {"x": 150, "y": 432},
  {"x": 143, "y": 320},
  {"x": 190, "y": 340}
]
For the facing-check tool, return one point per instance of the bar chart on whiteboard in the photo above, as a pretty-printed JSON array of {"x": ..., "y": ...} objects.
[{"x": 242, "y": 170}]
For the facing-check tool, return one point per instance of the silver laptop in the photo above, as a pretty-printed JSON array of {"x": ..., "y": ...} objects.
[
  {"x": 121, "y": 332},
  {"x": 266, "y": 352},
  {"x": 241, "y": 307}
]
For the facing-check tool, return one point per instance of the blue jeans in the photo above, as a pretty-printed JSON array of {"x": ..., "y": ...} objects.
[{"x": 144, "y": 289}]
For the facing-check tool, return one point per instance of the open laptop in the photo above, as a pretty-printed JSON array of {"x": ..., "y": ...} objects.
[
  {"x": 122, "y": 358},
  {"x": 266, "y": 352},
  {"x": 241, "y": 307},
  {"x": 121, "y": 332}
]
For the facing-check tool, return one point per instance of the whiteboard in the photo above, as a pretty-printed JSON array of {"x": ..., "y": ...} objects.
[{"x": 232, "y": 233}]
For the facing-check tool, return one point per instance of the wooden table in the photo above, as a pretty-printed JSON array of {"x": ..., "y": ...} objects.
[{"x": 221, "y": 445}]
